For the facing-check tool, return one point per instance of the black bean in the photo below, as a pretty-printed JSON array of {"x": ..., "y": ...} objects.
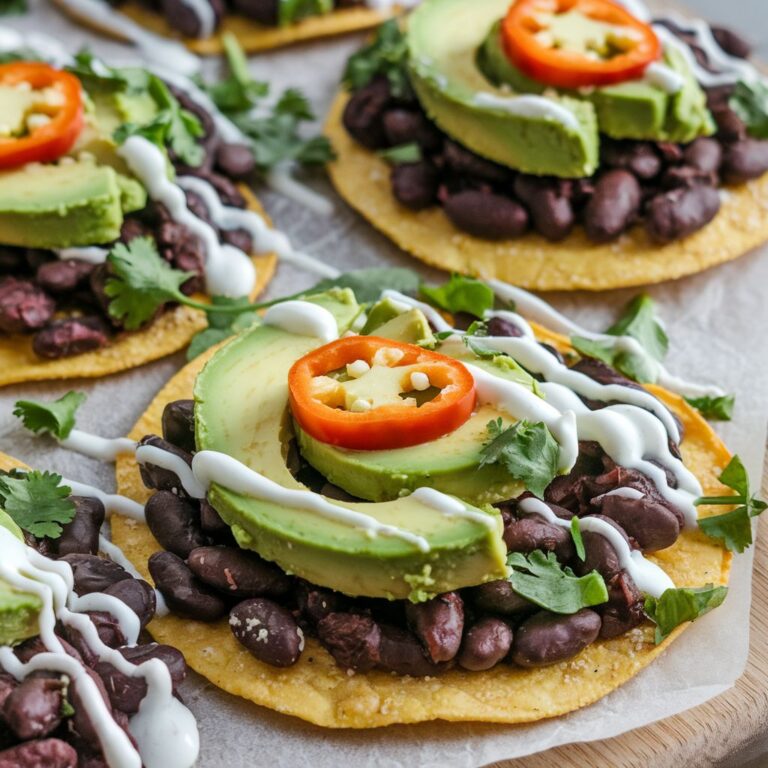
[
  {"x": 24, "y": 306},
  {"x": 402, "y": 653},
  {"x": 47, "y": 753},
  {"x": 175, "y": 523},
  {"x": 550, "y": 210},
  {"x": 670, "y": 153},
  {"x": 12, "y": 259},
  {"x": 226, "y": 188},
  {"x": 81, "y": 721},
  {"x": 405, "y": 126},
  {"x": 730, "y": 127},
  {"x": 7, "y": 684},
  {"x": 499, "y": 326},
  {"x": 485, "y": 644},
  {"x": 602, "y": 373},
  {"x": 639, "y": 157},
  {"x": 414, "y": 185},
  {"x": 731, "y": 42},
  {"x": 238, "y": 238},
  {"x": 651, "y": 524},
  {"x": 162, "y": 479},
  {"x": 438, "y": 624},
  {"x": 685, "y": 176},
  {"x": 681, "y": 212},
  {"x": 94, "y": 574},
  {"x": 364, "y": 114},
  {"x": 600, "y": 555},
  {"x": 235, "y": 160},
  {"x": 467, "y": 165},
  {"x": 71, "y": 336},
  {"x": 33, "y": 709},
  {"x": 213, "y": 525},
  {"x": 624, "y": 609},
  {"x": 108, "y": 627},
  {"x": 186, "y": 595},
  {"x": 81, "y": 535},
  {"x": 352, "y": 640},
  {"x": 705, "y": 154},
  {"x": 126, "y": 693},
  {"x": 486, "y": 215},
  {"x": 185, "y": 19},
  {"x": 533, "y": 532},
  {"x": 744, "y": 160},
  {"x": 268, "y": 631},
  {"x": 179, "y": 424},
  {"x": 499, "y": 597},
  {"x": 263, "y": 11},
  {"x": 548, "y": 638},
  {"x": 238, "y": 572},
  {"x": 63, "y": 275},
  {"x": 138, "y": 596},
  {"x": 315, "y": 603},
  {"x": 30, "y": 648},
  {"x": 613, "y": 206}
]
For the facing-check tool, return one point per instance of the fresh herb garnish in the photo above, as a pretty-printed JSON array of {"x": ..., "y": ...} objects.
[
  {"x": 714, "y": 408},
  {"x": 238, "y": 91},
  {"x": 539, "y": 578},
  {"x": 172, "y": 126},
  {"x": 13, "y": 7},
  {"x": 97, "y": 76},
  {"x": 222, "y": 325},
  {"x": 578, "y": 541},
  {"x": 676, "y": 606},
  {"x": 461, "y": 294},
  {"x": 37, "y": 502},
  {"x": 403, "y": 153},
  {"x": 750, "y": 102},
  {"x": 56, "y": 418},
  {"x": 386, "y": 55},
  {"x": 367, "y": 284},
  {"x": 733, "y": 528},
  {"x": 528, "y": 452},
  {"x": 291, "y": 11},
  {"x": 633, "y": 366}
]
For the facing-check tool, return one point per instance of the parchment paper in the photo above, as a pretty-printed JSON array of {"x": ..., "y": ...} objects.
[{"x": 717, "y": 322}]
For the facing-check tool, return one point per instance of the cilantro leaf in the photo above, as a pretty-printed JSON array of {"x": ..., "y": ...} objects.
[
  {"x": 578, "y": 541},
  {"x": 142, "y": 282},
  {"x": 750, "y": 102},
  {"x": 221, "y": 325},
  {"x": 97, "y": 76},
  {"x": 542, "y": 580},
  {"x": 367, "y": 284},
  {"x": 676, "y": 606},
  {"x": 37, "y": 502},
  {"x": 172, "y": 126},
  {"x": 57, "y": 417},
  {"x": 386, "y": 55},
  {"x": 403, "y": 153},
  {"x": 13, "y": 7},
  {"x": 733, "y": 528},
  {"x": 631, "y": 365},
  {"x": 291, "y": 11},
  {"x": 528, "y": 451},
  {"x": 640, "y": 322},
  {"x": 461, "y": 294},
  {"x": 237, "y": 92},
  {"x": 714, "y": 408}
]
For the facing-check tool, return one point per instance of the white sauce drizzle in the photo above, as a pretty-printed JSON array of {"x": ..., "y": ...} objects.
[
  {"x": 165, "y": 730},
  {"x": 101, "y": 448},
  {"x": 528, "y": 106},
  {"x": 89, "y": 253},
  {"x": 449, "y": 507},
  {"x": 228, "y": 271},
  {"x": 664, "y": 77},
  {"x": 625, "y": 493},
  {"x": 281, "y": 179},
  {"x": 648, "y": 577},
  {"x": 303, "y": 318},
  {"x": 388, "y": 5}
]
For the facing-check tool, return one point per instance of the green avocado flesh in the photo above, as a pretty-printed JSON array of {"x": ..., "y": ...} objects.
[
  {"x": 18, "y": 610},
  {"x": 241, "y": 408},
  {"x": 81, "y": 199},
  {"x": 456, "y": 53}
]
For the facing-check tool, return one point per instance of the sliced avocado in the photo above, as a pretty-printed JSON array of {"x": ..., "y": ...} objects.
[
  {"x": 411, "y": 327},
  {"x": 18, "y": 610},
  {"x": 241, "y": 399},
  {"x": 56, "y": 206},
  {"x": 444, "y": 37},
  {"x": 380, "y": 313}
]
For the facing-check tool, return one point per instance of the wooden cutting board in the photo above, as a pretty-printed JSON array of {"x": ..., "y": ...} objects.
[{"x": 703, "y": 737}]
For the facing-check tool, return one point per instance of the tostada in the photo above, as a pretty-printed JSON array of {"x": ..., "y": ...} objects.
[
  {"x": 257, "y": 24},
  {"x": 363, "y": 515},
  {"x": 556, "y": 144},
  {"x": 99, "y": 164},
  {"x": 81, "y": 684}
]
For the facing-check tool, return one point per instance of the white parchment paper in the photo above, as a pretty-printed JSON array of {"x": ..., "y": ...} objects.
[{"x": 717, "y": 322}]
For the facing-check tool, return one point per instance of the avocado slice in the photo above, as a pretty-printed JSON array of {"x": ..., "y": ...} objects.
[
  {"x": 241, "y": 408},
  {"x": 18, "y": 610},
  {"x": 443, "y": 38}
]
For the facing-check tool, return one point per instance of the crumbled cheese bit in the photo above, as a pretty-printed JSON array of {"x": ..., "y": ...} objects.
[
  {"x": 37, "y": 120},
  {"x": 420, "y": 381},
  {"x": 360, "y": 406},
  {"x": 356, "y": 369},
  {"x": 388, "y": 356}
]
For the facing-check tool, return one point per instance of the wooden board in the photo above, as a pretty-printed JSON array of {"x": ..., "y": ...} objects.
[{"x": 703, "y": 737}]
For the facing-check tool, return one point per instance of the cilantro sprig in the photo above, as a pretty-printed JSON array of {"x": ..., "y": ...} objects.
[
  {"x": 733, "y": 528},
  {"x": 540, "y": 578},
  {"x": 527, "y": 451},
  {"x": 37, "y": 502},
  {"x": 461, "y": 294},
  {"x": 56, "y": 418},
  {"x": 676, "y": 606}
]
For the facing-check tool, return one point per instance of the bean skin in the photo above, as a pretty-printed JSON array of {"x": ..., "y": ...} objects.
[
  {"x": 175, "y": 523},
  {"x": 268, "y": 631},
  {"x": 438, "y": 624},
  {"x": 400, "y": 652},
  {"x": 353, "y": 640},
  {"x": 485, "y": 644},
  {"x": 613, "y": 206},
  {"x": 138, "y": 596},
  {"x": 745, "y": 160},
  {"x": 547, "y": 638},
  {"x": 33, "y": 709},
  {"x": 681, "y": 212},
  {"x": 533, "y": 532},
  {"x": 499, "y": 597},
  {"x": 486, "y": 215},
  {"x": 94, "y": 574},
  {"x": 179, "y": 424},
  {"x": 81, "y": 535},
  {"x": 47, "y": 753},
  {"x": 238, "y": 572}
]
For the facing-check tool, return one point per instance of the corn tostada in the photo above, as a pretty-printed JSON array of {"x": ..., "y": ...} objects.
[
  {"x": 556, "y": 144},
  {"x": 98, "y": 164},
  {"x": 360, "y": 514}
]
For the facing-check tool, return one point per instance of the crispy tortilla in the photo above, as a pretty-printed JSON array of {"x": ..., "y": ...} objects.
[
  {"x": 253, "y": 37},
  {"x": 362, "y": 179},
  {"x": 317, "y": 690},
  {"x": 172, "y": 331}
]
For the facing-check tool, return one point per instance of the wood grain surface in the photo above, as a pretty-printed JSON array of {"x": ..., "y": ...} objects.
[{"x": 722, "y": 732}]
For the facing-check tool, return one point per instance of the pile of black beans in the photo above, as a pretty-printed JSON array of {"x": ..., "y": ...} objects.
[
  {"x": 182, "y": 17},
  {"x": 204, "y": 576},
  {"x": 62, "y": 303},
  {"x": 43, "y": 723},
  {"x": 671, "y": 189}
]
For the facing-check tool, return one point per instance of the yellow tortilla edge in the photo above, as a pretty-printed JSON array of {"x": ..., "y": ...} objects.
[
  {"x": 253, "y": 37},
  {"x": 362, "y": 179},
  {"x": 318, "y": 691},
  {"x": 169, "y": 333}
]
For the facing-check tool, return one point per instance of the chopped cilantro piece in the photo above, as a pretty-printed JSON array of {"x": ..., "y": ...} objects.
[
  {"x": 56, "y": 418},
  {"x": 714, "y": 408},
  {"x": 578, "y": 541},
  {"x": 291, "y": 11},
  {"x": 676, "y": 606},
  {"x": 461, "y": 294},
  {"x": 37, "y": 502},
  {"x": 404, "y": 153}
]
